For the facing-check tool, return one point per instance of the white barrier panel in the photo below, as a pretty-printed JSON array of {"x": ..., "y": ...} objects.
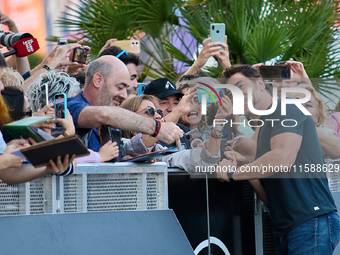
[{"x": 92, "y": 188}]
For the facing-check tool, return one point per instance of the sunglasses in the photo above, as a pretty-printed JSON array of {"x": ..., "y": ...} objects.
[
  {"x": 121, "y": 53},
  {"x": 28, "y": 113},
  {"x": 151, "y": 111}
]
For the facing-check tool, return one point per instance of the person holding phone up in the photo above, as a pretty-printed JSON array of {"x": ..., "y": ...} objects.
[{"x": 211, "y": 49}]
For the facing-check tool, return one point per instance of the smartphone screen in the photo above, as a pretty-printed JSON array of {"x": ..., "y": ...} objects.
[
  {"x": 79, "y": 55},
  {"x": 60, "y": 107},
  {"x": 43, "y": 96}
]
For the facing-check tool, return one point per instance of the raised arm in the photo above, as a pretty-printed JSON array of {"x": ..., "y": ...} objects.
[{"x": 96, "y": 116}]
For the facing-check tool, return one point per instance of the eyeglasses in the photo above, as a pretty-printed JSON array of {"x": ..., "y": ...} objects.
[
  {"x": 27, "y": 113},
  {"x": 121, "y": 53},
  {"x": 151, "y": 111}
]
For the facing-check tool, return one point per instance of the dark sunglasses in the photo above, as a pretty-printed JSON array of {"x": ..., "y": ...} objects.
[
  {"x": 28, "y": 113},
  {"x": 151, "y": 111}
]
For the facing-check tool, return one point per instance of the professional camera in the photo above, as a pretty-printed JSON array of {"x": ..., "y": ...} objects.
[{"x": 8, "y": 40}]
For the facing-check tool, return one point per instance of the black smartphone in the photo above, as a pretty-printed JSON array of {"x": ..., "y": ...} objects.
[
  {"x": 43, "y": 96},
  {"x": 60, "y": 107},
  {"x": 226, "y": 135},
  {"x": 275, "y": 72},
  {"x": 79, "y": 55},
  {"x": 107, "y": 134}
]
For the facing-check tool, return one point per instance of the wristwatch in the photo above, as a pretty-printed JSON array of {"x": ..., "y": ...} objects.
[{"x": 230, "y": 172}]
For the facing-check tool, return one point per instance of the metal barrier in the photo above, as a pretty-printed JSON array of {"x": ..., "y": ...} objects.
[{"x": 92, "y": 188}]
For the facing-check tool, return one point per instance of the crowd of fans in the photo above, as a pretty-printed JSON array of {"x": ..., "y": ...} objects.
[{"x": 169, "y": 115}]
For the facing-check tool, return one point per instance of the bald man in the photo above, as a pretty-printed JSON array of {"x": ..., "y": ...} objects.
[{"x": 107, "y": 79}]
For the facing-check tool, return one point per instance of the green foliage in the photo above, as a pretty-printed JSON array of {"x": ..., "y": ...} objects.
[{"x": 257, "y": 31}]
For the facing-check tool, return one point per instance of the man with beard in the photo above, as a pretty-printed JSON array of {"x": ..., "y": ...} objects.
[
  {"x": 107, "y": 79},
  {"x": 299, "y": 200}
]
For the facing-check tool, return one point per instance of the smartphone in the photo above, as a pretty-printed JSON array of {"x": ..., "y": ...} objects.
[
  {"x": 132, "y": 46},
  {"x": 107, "y": 134},
  {"x": 217, "y": 32},
  {"x": 227, "y": 132},
  {"x": 275, "y": 72},
  {"x": 193, "y": 138},
  {"x": 43, "y": 96},
  {"x": 220, "y": 91},
  {"x": 62, "y": 41},
  {"x": 60, "y": 107},
  {"x": 79, "y": 55},
  {"x": 141, "y": 87}
]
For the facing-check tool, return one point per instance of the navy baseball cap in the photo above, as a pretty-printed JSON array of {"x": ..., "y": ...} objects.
[{"x": 162, "y": 88}]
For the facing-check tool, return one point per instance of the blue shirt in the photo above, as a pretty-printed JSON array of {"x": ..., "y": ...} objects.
[{"x": 75, "y": 105}]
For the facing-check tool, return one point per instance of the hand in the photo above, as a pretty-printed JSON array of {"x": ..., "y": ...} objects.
[
  {"x": 224, "y": 110},
  {"x": 60, "y": 55},
  {"x": 257, "y": 66},
  {"x": 109, "y": 151},
  {"x": 9, "y": 22},
  {"x": 298, "y": 71},
  {"x": 230, "y": 154},
  {"x": 223, "y": 58},
  {"x": 59, "y": 166},
  {"x": 170, "y": 133},
  {"x": 67, "y": 124},
  {"x": 18, "y": 143},
  {"x": 47, "y": 125},
  {"x": 47, "y": 110},
  {"x": 225, "y": 164},
  {"x": 208, "y": 50},
  {"x": 188, "y": 103},
  {"x": 9, "y": 160},
  {"x": 107, "y": 45}
]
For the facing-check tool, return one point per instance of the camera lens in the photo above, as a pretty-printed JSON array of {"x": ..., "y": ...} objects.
[
  {"x": 9, "y": 39},
  {"x": 213, "y": 27}
]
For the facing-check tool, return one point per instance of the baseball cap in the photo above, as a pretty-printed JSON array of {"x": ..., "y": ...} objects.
[{"x": 162, "y": 88}]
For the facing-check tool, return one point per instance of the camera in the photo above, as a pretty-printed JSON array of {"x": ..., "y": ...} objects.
[{"x": 8, "y": 40}]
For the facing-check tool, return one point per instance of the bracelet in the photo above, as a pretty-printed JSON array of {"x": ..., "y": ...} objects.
[
  {"x": 157, "y": 128},
  {"x": 47, "y": 67},
  {"x": 64, "y": 134},
  {"x": 215, "y": 135}
]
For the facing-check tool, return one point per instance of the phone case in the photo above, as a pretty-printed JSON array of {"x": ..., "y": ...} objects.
[
  {"x": 217, "y": 32},
  {"x": 60, "y": 107},
  {"x": 226, "y": 135},
  {"x": 275, "y": 72},
  {"x": 132, "y": 46},
  {"x": 141, "y": 87}
]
